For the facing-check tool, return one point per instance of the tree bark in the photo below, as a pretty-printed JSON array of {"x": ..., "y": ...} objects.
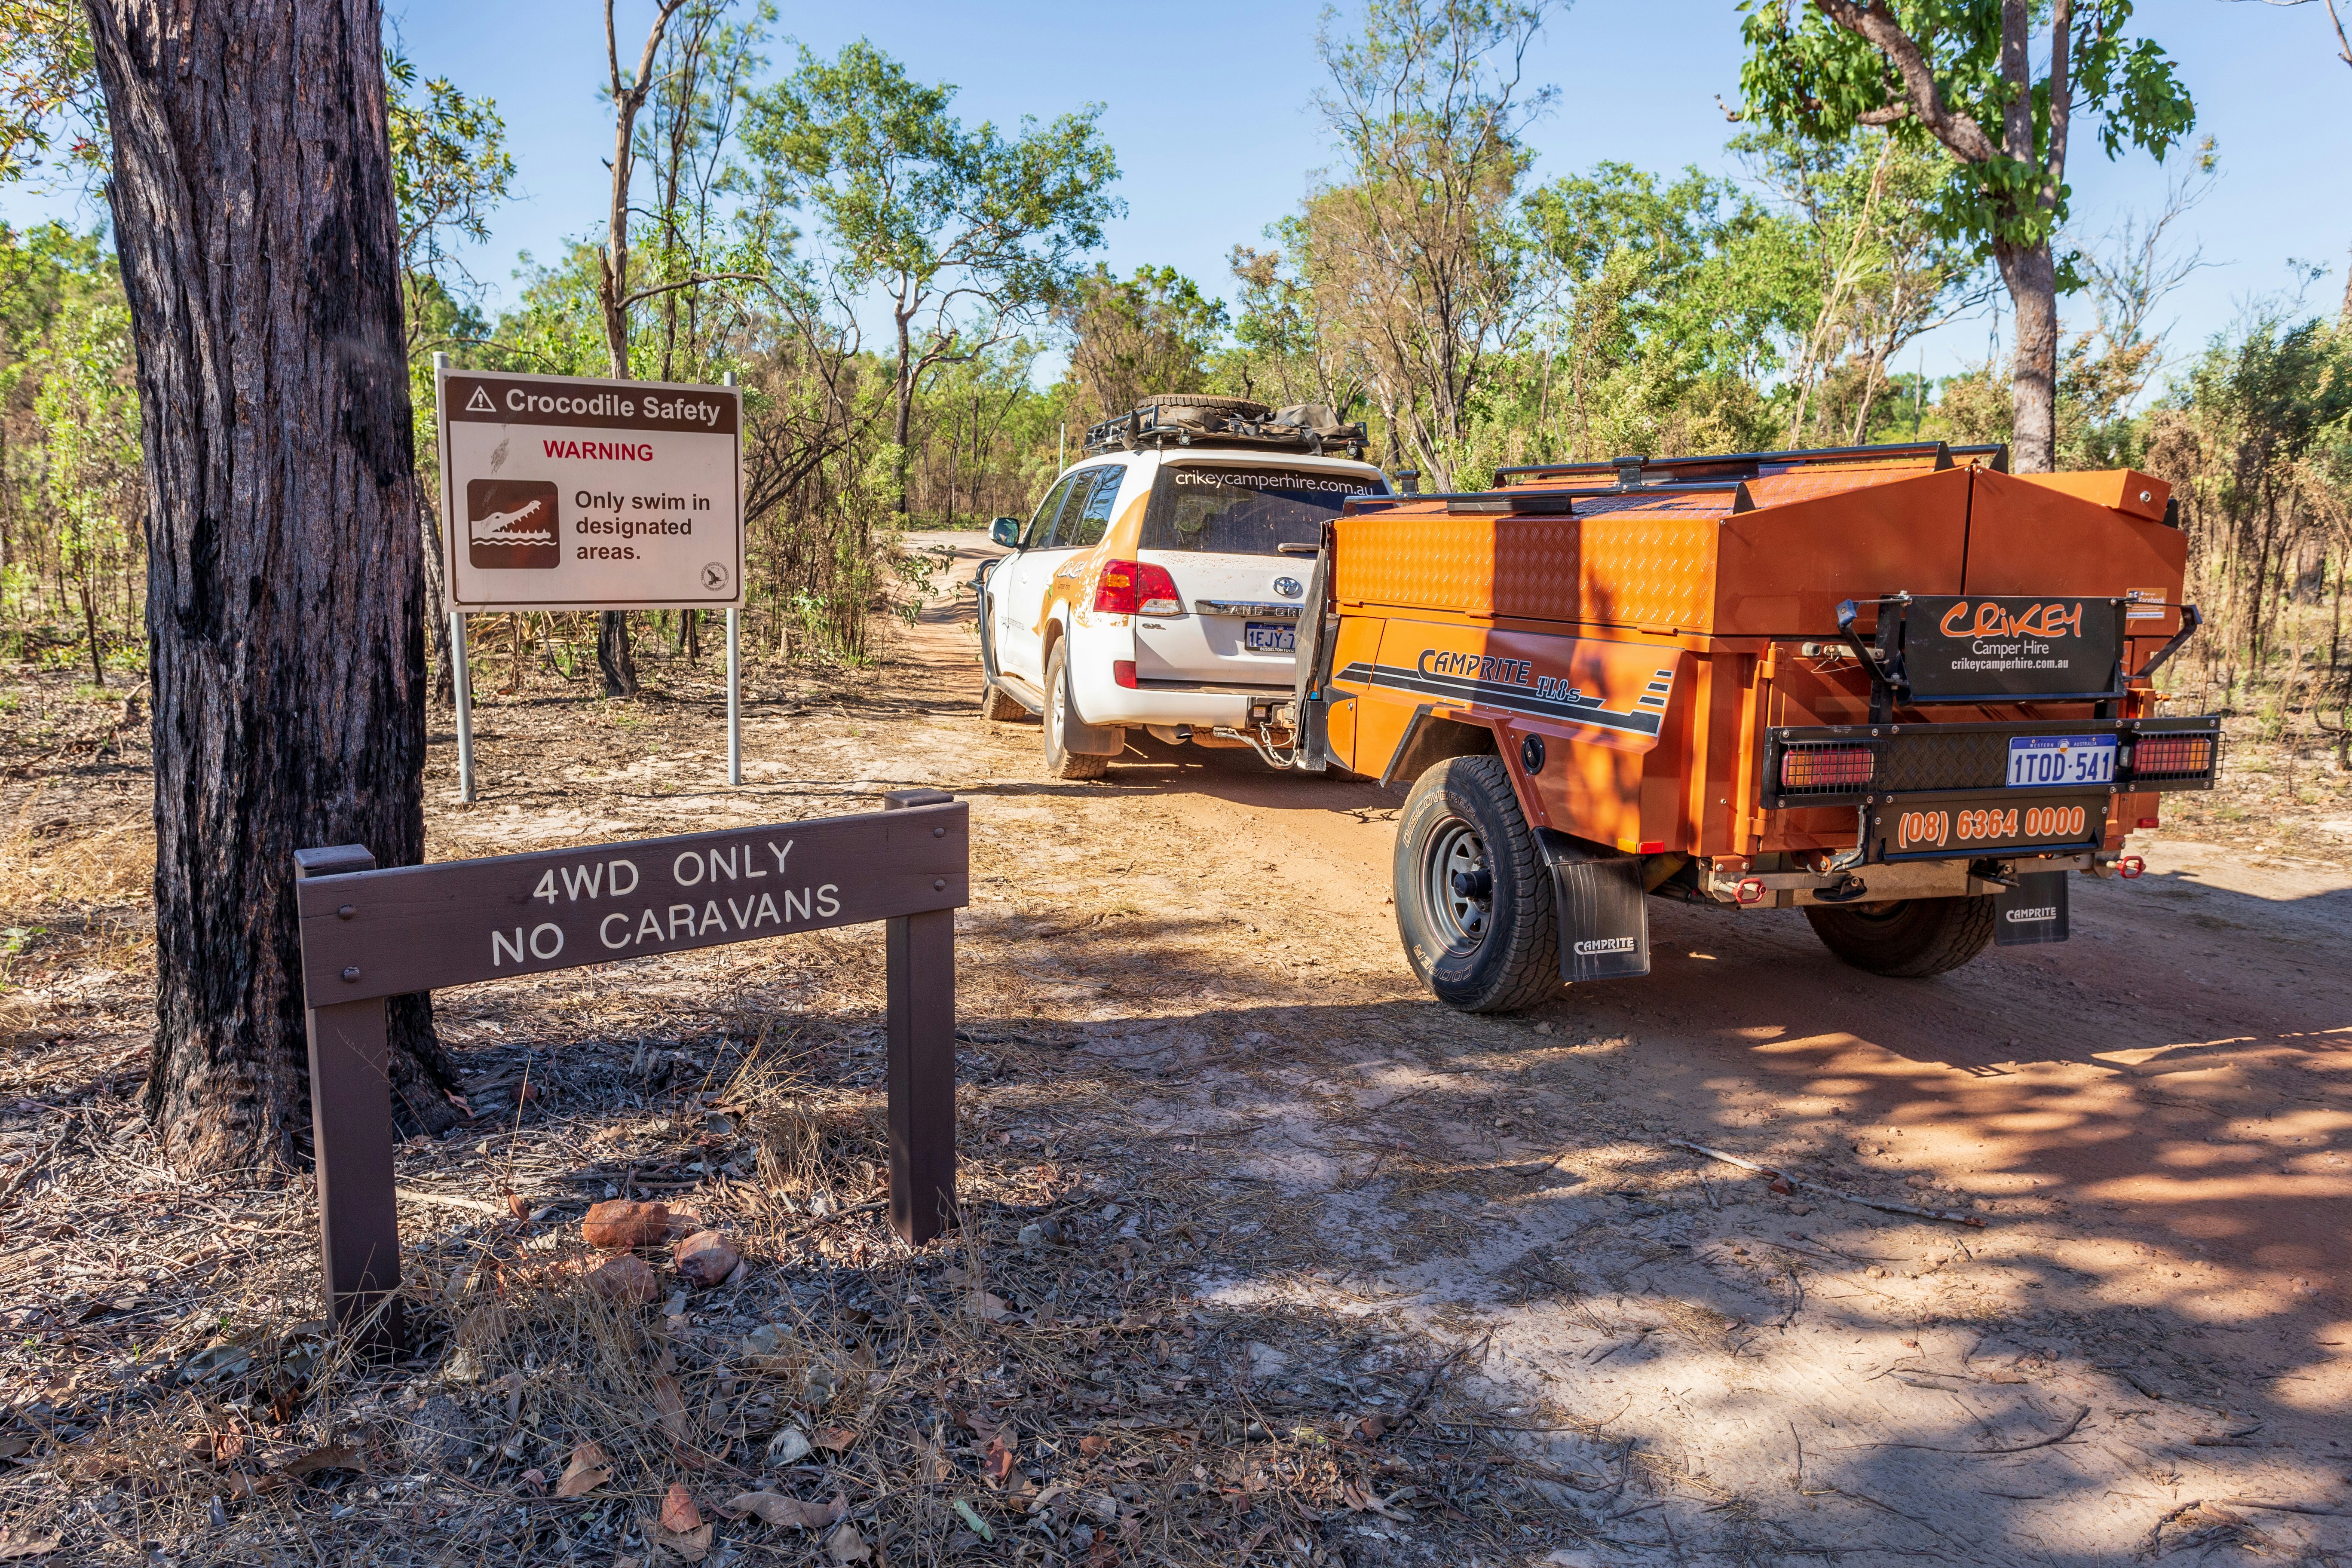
[
  {"x": 253, "y": 212},
  {"x": 2032, "y": 274}
]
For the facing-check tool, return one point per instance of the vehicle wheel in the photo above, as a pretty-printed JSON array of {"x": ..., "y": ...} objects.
[
  {"x": 1907, "y": 939},
  {"x": 1474, "y": 898},
  {"x": 998, "y": 706},
  {"x": 1060, "y": 760},
  {"x": 1248, "y": 407}
]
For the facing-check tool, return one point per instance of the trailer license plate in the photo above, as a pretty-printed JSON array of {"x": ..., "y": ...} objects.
[
  {"x": 2037, "y": 761},
  {"x": 1271, "y": 637}
]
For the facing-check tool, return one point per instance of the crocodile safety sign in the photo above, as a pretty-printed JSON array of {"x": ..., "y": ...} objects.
[{"x": 564, "y": 493}]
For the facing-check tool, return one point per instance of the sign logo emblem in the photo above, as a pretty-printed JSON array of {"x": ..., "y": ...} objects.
[
  {"x": 510, "y": 525},
  {"x": 480, "y": 402},
  {"x": 1288, "y": 587},
  {"x": 714, "y": 577}
]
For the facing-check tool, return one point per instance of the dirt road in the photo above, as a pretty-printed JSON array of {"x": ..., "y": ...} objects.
[
  {"x": 1265, "y": 1258},
  {"x": 2151, "y": 1121}
]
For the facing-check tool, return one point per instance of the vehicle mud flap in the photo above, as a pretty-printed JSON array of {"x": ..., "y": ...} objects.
[
  {"x": 1088, "y": 740},
  {"x": 1604, "y": 918},
  {"x": 2033, "y": 912}
]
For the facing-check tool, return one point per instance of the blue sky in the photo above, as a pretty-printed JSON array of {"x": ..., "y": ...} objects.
[{"x": 1208, "y": 107}]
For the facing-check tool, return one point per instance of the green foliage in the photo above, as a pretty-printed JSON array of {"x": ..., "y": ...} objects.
[
  {"x": 915, "y": 202},
  {"x": 49, "y": 92},
  {"x": 449, "y": 168},
  {"x": 70, "y": 451},
  {"x": 1810, "y": 78},
  {"x": 1152, "y": 332}
]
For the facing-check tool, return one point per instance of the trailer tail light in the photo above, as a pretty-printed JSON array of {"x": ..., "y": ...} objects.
[
  {"x": 1825, "y": 767},
  {"x": 1122, "y": 672},
  {"x": 1135, "y": 587},
  {"x": 2172, "y": 756}
]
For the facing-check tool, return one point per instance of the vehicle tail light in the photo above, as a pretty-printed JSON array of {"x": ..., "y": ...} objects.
[
  {"x": 1136, "y": 588},
  {"x": 1651, "y": 846},
  {"x": 1826, "y": 767},
  {"x": 1122, "y": 672},
  {"x": 2150, "y": 822},
  {"x": 2166, "y": 756}
]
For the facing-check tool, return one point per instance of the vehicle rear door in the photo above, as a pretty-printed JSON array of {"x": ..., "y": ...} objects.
[
  {"x": 1238, "y": 537},
  {"x": 1017, "y": 588}
]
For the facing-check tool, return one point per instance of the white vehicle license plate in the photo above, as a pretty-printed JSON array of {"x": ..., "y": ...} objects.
[
  {"x": 2037, "y": 761},
  {"x": 1270, "y": 636}
]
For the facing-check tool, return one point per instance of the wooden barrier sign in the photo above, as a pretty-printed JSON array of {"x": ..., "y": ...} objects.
[{"x": 368, "y": 934}]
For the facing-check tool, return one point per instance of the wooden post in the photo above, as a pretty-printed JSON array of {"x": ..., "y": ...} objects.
[
  {"x": 922, "y": 988},
  {"x": 350, "y": 1121}
]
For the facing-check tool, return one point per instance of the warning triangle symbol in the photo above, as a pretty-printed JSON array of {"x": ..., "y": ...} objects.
[{"x": 480, "y": 402}]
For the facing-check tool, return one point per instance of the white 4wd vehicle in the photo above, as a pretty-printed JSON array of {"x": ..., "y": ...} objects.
[{"x": 1159, "y": 585}]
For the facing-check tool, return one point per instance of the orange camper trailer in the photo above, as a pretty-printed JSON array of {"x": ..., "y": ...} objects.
[{"x": 1897, "y": 688}]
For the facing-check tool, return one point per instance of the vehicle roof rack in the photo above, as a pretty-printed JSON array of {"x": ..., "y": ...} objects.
[
  {"x": 1529, "y": 500},
  {"x": 1145, "y": 427},
  {"x": 1750, "y": 465}
]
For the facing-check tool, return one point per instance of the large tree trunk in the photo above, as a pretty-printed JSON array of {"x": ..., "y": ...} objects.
[
  {"x": 2032, "y": 275},
  {"x": 253, "y": 211}
]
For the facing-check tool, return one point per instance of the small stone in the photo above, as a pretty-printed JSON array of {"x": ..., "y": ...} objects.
[
  {"x": 623, "y": 1278},
  {"x": 788, "y": 1447},
  {"x": 621, "y": 1224},
  {"x": 706, "y": 1259}
]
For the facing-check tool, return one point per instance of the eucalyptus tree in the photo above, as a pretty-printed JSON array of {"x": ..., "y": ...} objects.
[
  {"x": 251, "y": 187},
  {"x": 1957, "y": 75},
  {"x": 966, "y": 233}
]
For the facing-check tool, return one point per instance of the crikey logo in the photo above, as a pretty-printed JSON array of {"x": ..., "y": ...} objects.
[{"x": 1990, "y": 620}]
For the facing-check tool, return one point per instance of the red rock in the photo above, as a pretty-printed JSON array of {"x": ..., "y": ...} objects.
[
  {"x": 618, "y": 1224},
  {"x": 706, "y": 1257},
  {"x": 625, "y": 1278}
]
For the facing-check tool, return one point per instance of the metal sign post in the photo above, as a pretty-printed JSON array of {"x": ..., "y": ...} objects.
[
  {"x": 734, "y": 703},
  {"x": 369, "y": 935},
  {"x": 461, "y": 679}
]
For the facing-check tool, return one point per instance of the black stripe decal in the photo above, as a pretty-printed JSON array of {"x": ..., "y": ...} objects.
[{"x": 1494, "y": 694}]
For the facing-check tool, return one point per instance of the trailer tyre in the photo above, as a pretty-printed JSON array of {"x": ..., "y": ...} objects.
[
  {"x": 1905, "y": 939},
  {"x": 1060, "y": 760},
  {"x": 1473, "y": 897}
]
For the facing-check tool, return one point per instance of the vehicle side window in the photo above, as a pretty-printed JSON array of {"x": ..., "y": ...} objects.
[
  {"x": 1066, "y": 529},
  {"x": 1083, "y": 530},
  {"x": 1041, "y": 526}
]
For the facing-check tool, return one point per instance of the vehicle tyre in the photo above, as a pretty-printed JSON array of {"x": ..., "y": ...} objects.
[
  {"x": 1247, "y": 407},
  {"x": 1473, "y": 897},
  {"x": 1062, "y": 763},
  {"x": 998, "y": 706},
  {"x": 1907, "y": 938}
]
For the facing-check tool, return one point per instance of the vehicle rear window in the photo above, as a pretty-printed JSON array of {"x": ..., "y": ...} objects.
[{"x": 1233, "y": 509}]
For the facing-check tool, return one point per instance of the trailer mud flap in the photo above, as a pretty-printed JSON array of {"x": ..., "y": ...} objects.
[
  {"x": 1604, "y": 917},
  {"x": 2033, "y": 912}
]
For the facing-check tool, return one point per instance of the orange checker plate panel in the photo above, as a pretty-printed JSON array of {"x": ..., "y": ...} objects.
[
  {"x": 1673, "y": 562},
  {"x": 1640, "y": 562}
]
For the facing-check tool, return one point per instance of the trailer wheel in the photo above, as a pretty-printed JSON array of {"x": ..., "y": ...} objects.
[
  {"x": 1907, "y": 939},
  {"x": 1060, "y": 760},
  {"x": 998, "y": 706},
  {"x": 1474, "y": 898}
]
